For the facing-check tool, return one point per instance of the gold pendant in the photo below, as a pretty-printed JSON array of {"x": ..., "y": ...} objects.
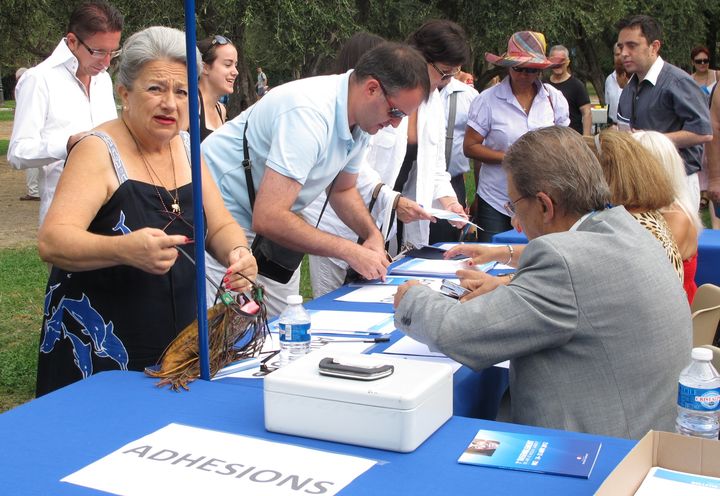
[{"x": 175, "y": 208}]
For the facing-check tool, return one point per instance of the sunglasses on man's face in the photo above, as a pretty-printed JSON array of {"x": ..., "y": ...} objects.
[
  {"x": 702, "y": 61},
  {"x": 393, "y": 111},
  {"x": 526, "y": 70}
]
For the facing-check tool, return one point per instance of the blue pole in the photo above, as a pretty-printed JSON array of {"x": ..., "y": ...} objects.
[{"x": 191, "y": 49}]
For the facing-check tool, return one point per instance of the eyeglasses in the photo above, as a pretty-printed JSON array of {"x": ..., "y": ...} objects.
[
  {"x": 99, "y": 54},
  {"x": 444, "y": 75},
  {"x": 526, "y": 70},
  {"x": 393, "y": 112},
  {"x": 702, "y": 61},
  {"x": 510, "y": 206}
]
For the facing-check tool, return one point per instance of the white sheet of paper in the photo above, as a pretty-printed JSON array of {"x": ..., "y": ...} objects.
[
  {"x": 407, "y": 346},
  {"x": 500, "y": 266},
  {"x": 446, "y": 268},
  {"x": 345, "y": 344},
  {"x": 183, "y": 460},
  {"x": 436, "y": 359},
  {"x": 370, "y": 294},
  {"x": 448, "y": 215},
  {"x": 338, "y": 322},
  {"x": 379, "y": 293}
]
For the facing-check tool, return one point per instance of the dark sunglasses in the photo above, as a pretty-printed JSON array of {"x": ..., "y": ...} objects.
[
  {"x": 444, "y": 75},
  {"x": 393, "y": 112},
  {"x": 526, "y": 70},
  {"x": 702, "y": 61},
  {"x": 219, "y": 40}
]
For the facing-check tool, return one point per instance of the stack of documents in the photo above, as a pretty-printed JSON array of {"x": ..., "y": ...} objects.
[
  {"x": 437, "y": 268},
  {"x": 348, "y": 323}
]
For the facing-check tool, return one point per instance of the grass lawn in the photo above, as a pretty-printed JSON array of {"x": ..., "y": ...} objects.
[
  {"x": 22, "y": 281},
  {"x": 4, "y": 146}
]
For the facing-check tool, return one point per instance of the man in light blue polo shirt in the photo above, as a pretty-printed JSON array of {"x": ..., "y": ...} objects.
[{"x": 301, "y": 137}]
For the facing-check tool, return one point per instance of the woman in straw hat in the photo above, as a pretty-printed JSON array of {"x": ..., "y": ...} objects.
[{"x": 503, "y": 113}]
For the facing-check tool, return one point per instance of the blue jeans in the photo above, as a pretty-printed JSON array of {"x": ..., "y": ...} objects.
[{"x": 492, "y": 221}]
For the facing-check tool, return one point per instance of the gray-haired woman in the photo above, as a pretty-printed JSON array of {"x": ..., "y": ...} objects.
[{"x": 118, "y": 292}]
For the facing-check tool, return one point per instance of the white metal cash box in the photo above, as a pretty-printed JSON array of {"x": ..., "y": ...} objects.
[{"x": 397, "y": 412}]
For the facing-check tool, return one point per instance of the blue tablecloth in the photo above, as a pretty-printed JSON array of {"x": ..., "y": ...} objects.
[
  {"x": 58, "y": 434},
  {"x": 510, "y": 237},
  {"x": 708, "y": 270}
]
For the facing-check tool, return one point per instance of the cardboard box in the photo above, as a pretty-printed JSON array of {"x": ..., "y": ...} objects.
[
  {"x": 662, "y": 449},
  {"x": 395, "y": 413}
]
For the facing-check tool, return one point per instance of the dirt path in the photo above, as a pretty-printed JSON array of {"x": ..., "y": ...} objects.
[{"x": 18, "y": 219}]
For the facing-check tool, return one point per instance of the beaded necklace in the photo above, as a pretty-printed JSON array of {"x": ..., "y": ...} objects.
[{"x": 175, "y": 206}]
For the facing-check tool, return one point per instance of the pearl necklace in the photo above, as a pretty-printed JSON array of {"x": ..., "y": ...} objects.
[{"x": 175, "y": 206}]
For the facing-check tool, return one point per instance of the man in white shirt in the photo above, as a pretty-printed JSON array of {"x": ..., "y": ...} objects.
[
  {"x": 614, "y": 85},
  {"x": 456, "y": 97},
  {"x": 66, "y": 95}
]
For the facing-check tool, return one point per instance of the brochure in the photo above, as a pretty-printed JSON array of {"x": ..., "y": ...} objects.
[
  {"x": 663, "y": 482},
  {"x": 558, "y": 455}
]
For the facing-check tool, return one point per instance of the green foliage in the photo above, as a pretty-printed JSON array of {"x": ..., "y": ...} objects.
[
  {"x": 4, "y": 146},
  {"x": 305, "y": 286},
  {"x": 22, "y": 284},
  {"x": 295, "y": 37}
]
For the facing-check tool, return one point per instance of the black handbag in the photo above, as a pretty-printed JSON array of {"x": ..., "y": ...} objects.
[{"x": 274, "y": 261}]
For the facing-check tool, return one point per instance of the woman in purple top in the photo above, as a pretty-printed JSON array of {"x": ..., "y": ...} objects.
[{"x": 503, "y": 113}]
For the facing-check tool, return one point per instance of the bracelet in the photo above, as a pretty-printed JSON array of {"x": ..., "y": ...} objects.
[
  {"x": 396, "y": 201},
  {"x": 512, "y": 252},
  {"x": 242, "y": 246}
]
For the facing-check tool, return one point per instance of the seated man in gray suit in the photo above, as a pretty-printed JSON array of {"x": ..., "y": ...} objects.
[{"x": 595, "y": 323}]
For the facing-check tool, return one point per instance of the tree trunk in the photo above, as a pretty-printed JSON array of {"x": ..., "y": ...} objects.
[{"x": 594, "y": 74}]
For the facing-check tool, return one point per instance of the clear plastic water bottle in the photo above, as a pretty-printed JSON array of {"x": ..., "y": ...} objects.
[
  {"x": 294, "y": 324},
  {"x": 699, "y": 397}
]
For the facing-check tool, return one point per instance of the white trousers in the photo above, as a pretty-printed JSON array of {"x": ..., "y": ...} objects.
[
  {"x": 31, "y": 181},
  {"x": 694, "y": 189},
  {"x": 325, "y": 276}
]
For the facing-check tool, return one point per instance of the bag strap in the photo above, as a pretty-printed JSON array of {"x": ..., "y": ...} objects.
[
  {"x": 450, "y": 131},
  {"x": 549, "y": 100},
  {"x": 247, "y": 165}
]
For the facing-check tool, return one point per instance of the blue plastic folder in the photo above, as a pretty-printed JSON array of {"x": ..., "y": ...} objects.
[{"x": 565, "y": 455}]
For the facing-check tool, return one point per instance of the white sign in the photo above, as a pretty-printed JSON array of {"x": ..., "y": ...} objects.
[{"x": 182, "y": 460}]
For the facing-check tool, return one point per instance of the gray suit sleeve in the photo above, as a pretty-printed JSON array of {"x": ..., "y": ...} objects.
[{"x": 538, "y": 310}]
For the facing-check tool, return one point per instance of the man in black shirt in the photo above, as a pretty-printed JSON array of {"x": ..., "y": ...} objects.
[{"x": 574, "y": 92}]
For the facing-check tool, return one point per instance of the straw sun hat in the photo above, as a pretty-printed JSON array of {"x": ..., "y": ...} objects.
[{"x": 525, "y": 49}]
